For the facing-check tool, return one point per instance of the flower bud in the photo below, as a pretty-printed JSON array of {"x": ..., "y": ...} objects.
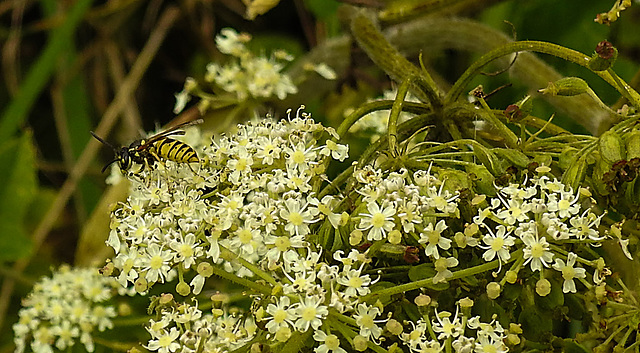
[
  {"x": 422, "y": 300},
  {"x": 493, "y": 290},
  {"x": 205, "y": 269},
  {"x": 360, "y": 343},
  {"x": 141, "y": 285},
  {"x": 612, "y": 148},
  {"x": 183, "y": 289},
  {"x": 567, "y": 86},
  {"x": 394, "y": 327},
  {"x": 543, "y": 287},
  {"x": 511, "y": 276},
  {"x": 604, "y": 57}
]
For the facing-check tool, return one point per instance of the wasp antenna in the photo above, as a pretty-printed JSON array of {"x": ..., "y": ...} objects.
[
  {"x": 103, "y": 141},
  {"x": 108, "y": 164}
]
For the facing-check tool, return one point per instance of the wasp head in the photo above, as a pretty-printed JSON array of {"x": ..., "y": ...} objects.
[{"x": 124, "y": 159}]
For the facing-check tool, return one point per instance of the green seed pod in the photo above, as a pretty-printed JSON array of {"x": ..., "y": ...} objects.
[
  {"x": 612, "y": 147},
  {"x": 633, "y": 145},
  {"x": 574, "y": 175},
  {"x": 567, "y": 86},
  {"x": 514, "y": 157},
  {"x": 482, "y": 179},
  {"x": 488, "y": 159}
]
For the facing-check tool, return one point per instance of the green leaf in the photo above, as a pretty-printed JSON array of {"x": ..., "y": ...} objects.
[
  {"x": 424, "y": 271},
  {"x": 535, "y": 324},
  {"x": 570, "y": 346},
  {"x": 18, "y": 187}
]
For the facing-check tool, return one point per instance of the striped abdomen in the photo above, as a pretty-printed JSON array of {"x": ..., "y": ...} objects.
[{"x": 175, "y": 150}]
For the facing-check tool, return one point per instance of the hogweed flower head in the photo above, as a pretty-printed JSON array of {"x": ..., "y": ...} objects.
[{"x": 65, "y": 309}]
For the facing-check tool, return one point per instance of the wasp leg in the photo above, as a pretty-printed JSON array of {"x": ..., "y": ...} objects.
[{"x": 157, "y": 159}]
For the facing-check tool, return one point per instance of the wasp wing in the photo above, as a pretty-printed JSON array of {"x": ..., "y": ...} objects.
[{"x": 174, "y": 130}]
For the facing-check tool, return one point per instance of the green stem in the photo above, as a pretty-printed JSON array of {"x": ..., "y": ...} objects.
[
  {"x": 241, "y": 281},
  {"x": 367, "y": 108},
  {"x": 510, "y": 139},
  {"x": 540, "y": 47},
  {"x": 396, "y": 109},
  {"x": 392, "y": 62},
  {"x": 228, "y": 254},
  {"x": 467, "y": 272}
]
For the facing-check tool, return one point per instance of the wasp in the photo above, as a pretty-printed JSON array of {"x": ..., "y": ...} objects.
[{"x": 156, "y": 148}]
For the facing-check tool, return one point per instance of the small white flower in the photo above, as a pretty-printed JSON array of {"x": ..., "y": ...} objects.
[
  {"x": 329, "y": 343},
  {"x": 166, "y": 342},
  {"x": 282, "y": 314},
  {"x": 497, "y": 244},
  {"x": 156, "y": 263},
  {"x": 446, "y": 327},
  {"x": 366, "y": 319},
  {"x": 379, "y": 221},
  {"x": 569, "y": 272},
  {"x": 442, "y": 267},
  {"x": 310, "y": 313},
  {"x": 536, "y": 251},
  {"x": 432, "y": 236}
]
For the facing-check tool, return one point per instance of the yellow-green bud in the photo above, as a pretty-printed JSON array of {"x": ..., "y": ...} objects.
[
  {"x": 205, "y": 269},
  {"x": 493, "y": 290},
  {"x": 543, "y": 287},
  {"x": 567, "y": 86},
  {"x": 124, "y": 309},
  {"x": 183, "y": 289},
  {"x": 612, "y": 148},
  {"x": 165, "y": 298},
  {"x": 360, "y": 343},
  {"x": 604, "y": 57},
  {"x": 107, "y": 269},
  {"x": 141, "y": 285},
  {"x": 511, "y": 276},
  {"x": 394, "y": 327},
  {"x": 422, "y": 300},
  {"x": 465, "y": 302}
]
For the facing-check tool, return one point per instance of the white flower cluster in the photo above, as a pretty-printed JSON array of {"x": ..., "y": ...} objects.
[
  {"x": 247, "y": 75},
  {"x": 253, "y": 195},
  {"x": 461, "y": 332},
  {"x": 543, "y": 217},
  {"x": 405, "y": 205},
  {"x": 310, "y": 289},
  {"x": 185, "y": 328},
  {"x": 65, "y": 308}
]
